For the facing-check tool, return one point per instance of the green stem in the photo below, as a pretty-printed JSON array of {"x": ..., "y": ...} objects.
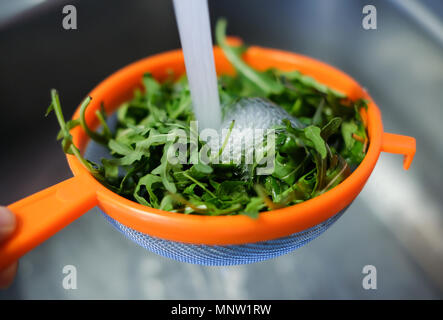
[
  {"x": 226, "y": 139},
  {"x": 58, "y": 110},
  {"x": 93, "y": 135},
  {"x": 106, "y": 131},
  {"x": 199, "y": 184},
  {"x": 66, "y": 135}
]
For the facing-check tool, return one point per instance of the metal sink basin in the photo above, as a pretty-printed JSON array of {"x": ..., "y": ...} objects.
[{"x": 395, "y": 225}]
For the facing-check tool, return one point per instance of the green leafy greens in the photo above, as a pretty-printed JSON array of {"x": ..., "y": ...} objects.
[{"x": 308, "y": 161}]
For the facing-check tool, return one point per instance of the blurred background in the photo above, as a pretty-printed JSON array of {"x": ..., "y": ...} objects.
[{"x": 396, "y": 224}]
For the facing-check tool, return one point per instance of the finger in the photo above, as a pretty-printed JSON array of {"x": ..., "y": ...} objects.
[
  {"x": 7, "y": 223},
  {"x": 7, "y": 275}
]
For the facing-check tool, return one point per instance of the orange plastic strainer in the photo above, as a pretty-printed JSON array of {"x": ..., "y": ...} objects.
[{"x": 41, "y": 215}]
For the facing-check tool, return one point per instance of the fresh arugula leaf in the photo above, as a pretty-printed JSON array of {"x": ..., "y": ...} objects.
[{"x": 260, "y": 79}]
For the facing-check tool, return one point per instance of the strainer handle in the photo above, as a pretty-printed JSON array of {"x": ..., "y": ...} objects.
[
  {"x": 42, "y": 214},
  {"x": 395, "y": 143}
]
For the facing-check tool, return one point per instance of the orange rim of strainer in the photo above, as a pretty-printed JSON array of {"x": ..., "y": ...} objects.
[{"x": 41, "y": 215}]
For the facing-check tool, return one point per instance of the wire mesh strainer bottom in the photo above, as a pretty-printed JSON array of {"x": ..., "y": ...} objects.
[{"x": 224, "y": 255}]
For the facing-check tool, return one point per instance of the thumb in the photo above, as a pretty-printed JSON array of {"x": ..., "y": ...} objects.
[{"x": 7, "y": 223}]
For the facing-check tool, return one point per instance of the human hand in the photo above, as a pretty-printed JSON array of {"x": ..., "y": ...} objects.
[{"x": 7, "y": 227}]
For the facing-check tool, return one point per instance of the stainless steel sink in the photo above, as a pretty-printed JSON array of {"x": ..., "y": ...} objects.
[{"x": 395, "y": 224}]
